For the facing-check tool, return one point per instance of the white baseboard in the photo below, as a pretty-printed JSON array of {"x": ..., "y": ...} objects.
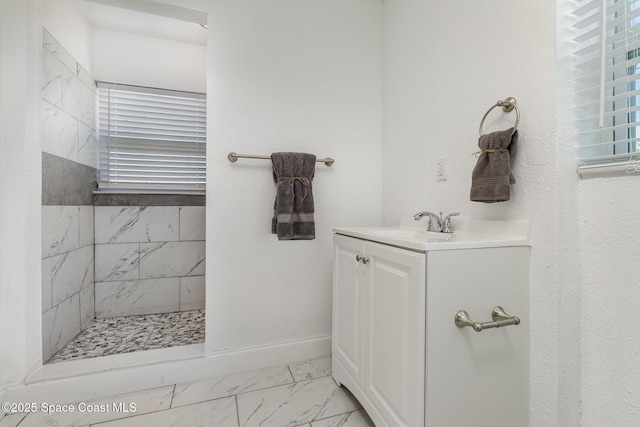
[{"x": 70, "y": 382}]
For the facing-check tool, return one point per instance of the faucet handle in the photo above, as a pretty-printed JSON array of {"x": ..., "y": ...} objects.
[{"x": 446, "y": 222}]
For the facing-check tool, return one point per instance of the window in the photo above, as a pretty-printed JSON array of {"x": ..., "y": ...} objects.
[
  {"x": 608, "y": 86},
  {"x": 151, "y": 140}
]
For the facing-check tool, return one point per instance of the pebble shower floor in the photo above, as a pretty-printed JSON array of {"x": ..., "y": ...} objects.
[{"x": 117, "y": 335}]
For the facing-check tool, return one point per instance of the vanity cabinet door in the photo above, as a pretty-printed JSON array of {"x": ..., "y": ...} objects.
[
  {"x": 395, "y": 334},
  {"x": 477, "y": 378},
  {"x": 348, "y": 309}
]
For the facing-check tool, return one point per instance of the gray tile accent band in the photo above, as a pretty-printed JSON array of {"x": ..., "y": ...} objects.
[
  {"x": 67, "y": 183},
  {"x": 118, "y": 199}
]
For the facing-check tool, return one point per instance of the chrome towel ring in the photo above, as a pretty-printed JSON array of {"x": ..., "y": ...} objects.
[{"x": 508, "y": 105}]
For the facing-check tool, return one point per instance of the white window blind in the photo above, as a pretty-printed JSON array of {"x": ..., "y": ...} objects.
[
  {"x": 151, "y": 139},
  {"x": 608, "y": 86}
]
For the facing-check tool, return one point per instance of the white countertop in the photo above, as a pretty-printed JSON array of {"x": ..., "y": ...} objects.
[{"x": 467, "y": 234}]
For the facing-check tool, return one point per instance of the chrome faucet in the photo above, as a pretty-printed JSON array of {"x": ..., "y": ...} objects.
[{"x": 437, "y": 223}]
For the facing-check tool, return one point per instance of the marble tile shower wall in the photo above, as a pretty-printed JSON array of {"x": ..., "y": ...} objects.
[
  {"x": 149, "y": 259},
  {"x": 69, "y": 100},
  {"x": 67, "y": 274},
  {"x": 69, "y": 146},
  {"x": 103, "y": 261}
]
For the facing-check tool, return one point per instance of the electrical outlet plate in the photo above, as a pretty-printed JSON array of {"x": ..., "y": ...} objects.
[{"x": 441, "y": 169}]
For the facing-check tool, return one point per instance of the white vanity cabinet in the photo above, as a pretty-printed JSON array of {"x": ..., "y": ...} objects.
[
  {"x": 379, "y": 326},
  {"x": 396, "y": 346}
]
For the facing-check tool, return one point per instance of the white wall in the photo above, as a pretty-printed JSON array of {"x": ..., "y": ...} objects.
[
  {"x": 120, "y": 57},
  {"x": 286, "y": 75},
  {"x": 146, "y": 61},
  {"x": 63, "y": 20},
  {"x": 20, "y": 192},
  {"x": 445, "y": 65},
  {"x": 319, "y": 92}
]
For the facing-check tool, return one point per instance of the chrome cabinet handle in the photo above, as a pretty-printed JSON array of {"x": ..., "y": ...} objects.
[
  {"x": 499, "y": 316},
  {"x": 361, "y": 258}
]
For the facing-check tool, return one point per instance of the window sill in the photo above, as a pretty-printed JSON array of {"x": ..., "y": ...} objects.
[{"x": 608, "y": 170}]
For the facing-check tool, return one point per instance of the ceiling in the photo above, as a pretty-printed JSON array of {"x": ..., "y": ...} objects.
[{"x": 146, "y": 18}]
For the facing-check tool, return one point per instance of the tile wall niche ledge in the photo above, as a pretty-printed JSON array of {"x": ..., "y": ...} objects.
[
  {"x": 67, "y": 183},
  {"x": 126, "y": 199}
]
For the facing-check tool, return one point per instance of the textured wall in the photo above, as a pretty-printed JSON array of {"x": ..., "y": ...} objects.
[
  {"x": 438, "y": 83},
  {"x": 609, "y": 236},
  {"x": 569, "y": 247}
]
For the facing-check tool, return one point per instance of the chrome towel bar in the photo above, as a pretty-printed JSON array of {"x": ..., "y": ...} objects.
[
  {"x": 499, "y": 316},
  {"x": 234, "y": 157}
]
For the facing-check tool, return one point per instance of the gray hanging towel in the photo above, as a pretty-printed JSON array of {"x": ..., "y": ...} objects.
[
  {"x": 293, "y": 208},
  {"x": 492, "y": 175}
]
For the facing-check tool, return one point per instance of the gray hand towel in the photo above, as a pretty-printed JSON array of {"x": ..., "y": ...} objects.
[
  {"x": 293, "y": 209},
  {"x": 492, "y": 175}
]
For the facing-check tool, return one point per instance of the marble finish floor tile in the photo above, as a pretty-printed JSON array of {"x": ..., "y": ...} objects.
[
  {"x": 214, "y": 388},
  {"x": 260, "y": 397},
  {"x": 351, "y": 419},
  {"x": 117, "y": 335},
  {"x": 310, "y": 369},
  {"x": 12, "y": 420},
  {"x": 213, "y": 413},
  {"x": 295, "y": 404},
  {"x": 136, "y": 403}
]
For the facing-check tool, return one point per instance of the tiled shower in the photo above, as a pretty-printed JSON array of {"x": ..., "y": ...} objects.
[
  {"x": 149, "y": 259},
  {"x": 105, "y": 255}
]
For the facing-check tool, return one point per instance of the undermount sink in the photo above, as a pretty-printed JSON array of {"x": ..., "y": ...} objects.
[{"x": 467, "y": 234}]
